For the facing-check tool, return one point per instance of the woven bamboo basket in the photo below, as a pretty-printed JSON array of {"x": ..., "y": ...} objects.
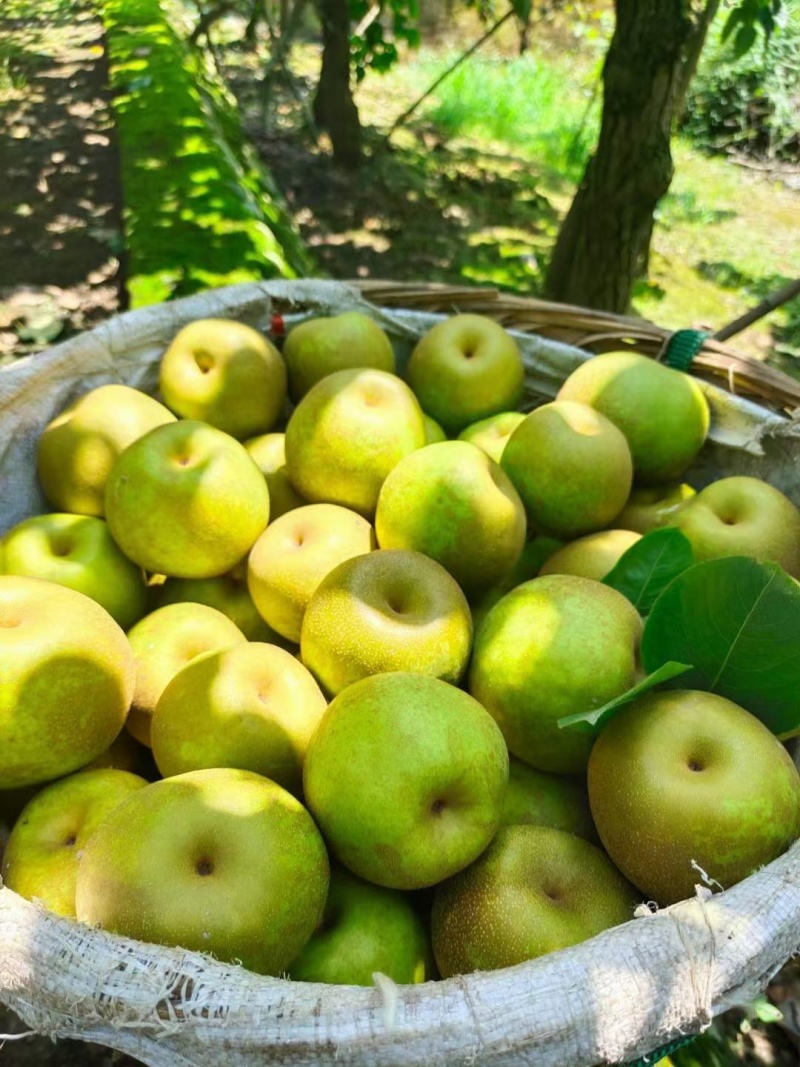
[{"x": 613, "y": 999}]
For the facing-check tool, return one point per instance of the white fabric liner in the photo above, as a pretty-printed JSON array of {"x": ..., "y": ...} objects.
[{"x": 609, "y": 1000}]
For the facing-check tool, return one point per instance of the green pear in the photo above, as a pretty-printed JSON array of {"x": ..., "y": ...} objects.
[
  {"x": 124, "y": 753},
  {"x": 347, "y": 433},
  {"x": 67, "y": 679},
  {"x": 433, "y": 431},
  {"x": 79, "y": 447},
  {"x": 465, "y": 369},
  {"x": 386, "y": 611},
  {"x": 553, "y": 647},
  {"x": 681, "y": 781},
  {"x": 405, "y": 777},
  {"x": 452, "y": 502},
  {"x": 650, "y": 507},
  {"x": 269, "y": 452},
  {"x": 321, "y": 346},
  {"x": 164, "y": 642},
  {"x": 662, "y": 412},
  {"x": 226, "y": 374},
  {"x": 742, "y": 516},
  {"x": 534, "y": 890},
  {"x": 366, "y": 929},
  {"x": 79, "y": 552},
  {"x": 186, "y": 500},
  {"x": 547, "y": 800},
  {"x": 294, "y": 554},
  {"x": 492, "y": 434},
  {"x": 572, "y": 468},
  {"x": 534, "y": 554},
  {"x": 220, "y": 861},
  {"x": 593, "y": 556},
  {"x": 41, "y": 858},
  {"x": 229, "y": 594},
  {"x": 252, "y": 706}
]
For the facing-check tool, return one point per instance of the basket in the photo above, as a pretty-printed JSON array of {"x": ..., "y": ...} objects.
[{"x": 613, "y": 999}]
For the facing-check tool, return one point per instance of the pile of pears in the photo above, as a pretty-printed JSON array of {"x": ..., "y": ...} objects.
[{"x": 286, "y": 661}]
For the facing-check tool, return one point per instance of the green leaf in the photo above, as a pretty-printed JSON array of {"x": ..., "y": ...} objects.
[
  {"x": 731, "y": 23},
  {"x": 648, "y": 567},
  {"x": 744, "y": 40},
  {"x": 764, "y": 1010},
  {"x": 588, "y": 721},
  {"x": 738, "y": 622}
]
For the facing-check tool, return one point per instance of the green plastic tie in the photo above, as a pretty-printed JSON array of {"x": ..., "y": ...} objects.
[
  {"x": 682, "y": 347},
  {"x": 658, "y": 1054}
]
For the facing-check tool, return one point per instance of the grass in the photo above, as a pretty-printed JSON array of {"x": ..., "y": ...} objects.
[{"x": 528, "y": 103}]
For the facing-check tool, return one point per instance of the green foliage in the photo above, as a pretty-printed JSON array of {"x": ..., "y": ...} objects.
[
  {"x": 738, "y": 622},
  {"x": 750, "y": 102},
  {"x": 526, "y": 101},
  {"x": 647, "y": 568},
  {"x": 589, "y": 721},
  {"x": 749, "y": 17},
  {"x": 372, "y": 49},
  {"x": 199, "y": 210}
]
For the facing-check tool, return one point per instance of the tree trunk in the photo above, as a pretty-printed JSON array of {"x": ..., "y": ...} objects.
[
  {"x": 603, "y": 244},
  {"x": 692, "y": 55},
  {"x": 334, "y": 107}
]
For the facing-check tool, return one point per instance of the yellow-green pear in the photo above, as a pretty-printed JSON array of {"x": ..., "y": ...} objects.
[
  {"x": 572, "y": 468},
  {"x": 321, "y": 346},
  {"x": 224, "y": 373},
  {"x": 465, "y": 369},
  {"x": 79, "y": 552},
  {"x": 534, "y": 553},
  {"x": 593, "y": 556},
  {"x": 165, "y": 641},
  {"x": 533, "y": 891},
  {"x": 294, "y": 554},
  {"x": 252, "y": 706},
  {"x": 553, "y": 647},
  {"x": 79, "y": 447},
  {"x": 386, "y": 611},
  {"x": 365, "y": 929},
  {"x": 269, "y": 452},
  {"x": 229, "y": 594},
  {"x": 662, "y": 412},
  {"x": 433, "y": 431},
  {"x": 66, "y": 680},
  {"x": 683, "y": 783},
  {"x": 186, "y": 500},
  {"x": 543, "y": 799},
  {"x": 405, "y": 777},
  {"x": 492, "y": 434},
  {"x": 650, "y": 507},
  {"x": 124, "y": 753},
  {"x": 347, "y": 433},
  {"x": 41, "y": 858},
  {"x": 454, "y": 504},
  {"x": 220, "y": 861},
  {"x": 742, "y": 516}
]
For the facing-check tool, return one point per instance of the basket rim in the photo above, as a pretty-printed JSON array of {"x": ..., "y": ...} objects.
[{"x": 594, "y": 329}]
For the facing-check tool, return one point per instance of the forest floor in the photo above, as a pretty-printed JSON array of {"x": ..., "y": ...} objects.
[{"x": 60, "y": 201}]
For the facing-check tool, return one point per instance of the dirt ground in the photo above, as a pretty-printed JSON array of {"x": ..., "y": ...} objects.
[{"x": 60, "y": 201}]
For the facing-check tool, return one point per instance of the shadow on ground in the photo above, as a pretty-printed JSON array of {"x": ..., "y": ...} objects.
[{"x": 60, "y": 225}]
